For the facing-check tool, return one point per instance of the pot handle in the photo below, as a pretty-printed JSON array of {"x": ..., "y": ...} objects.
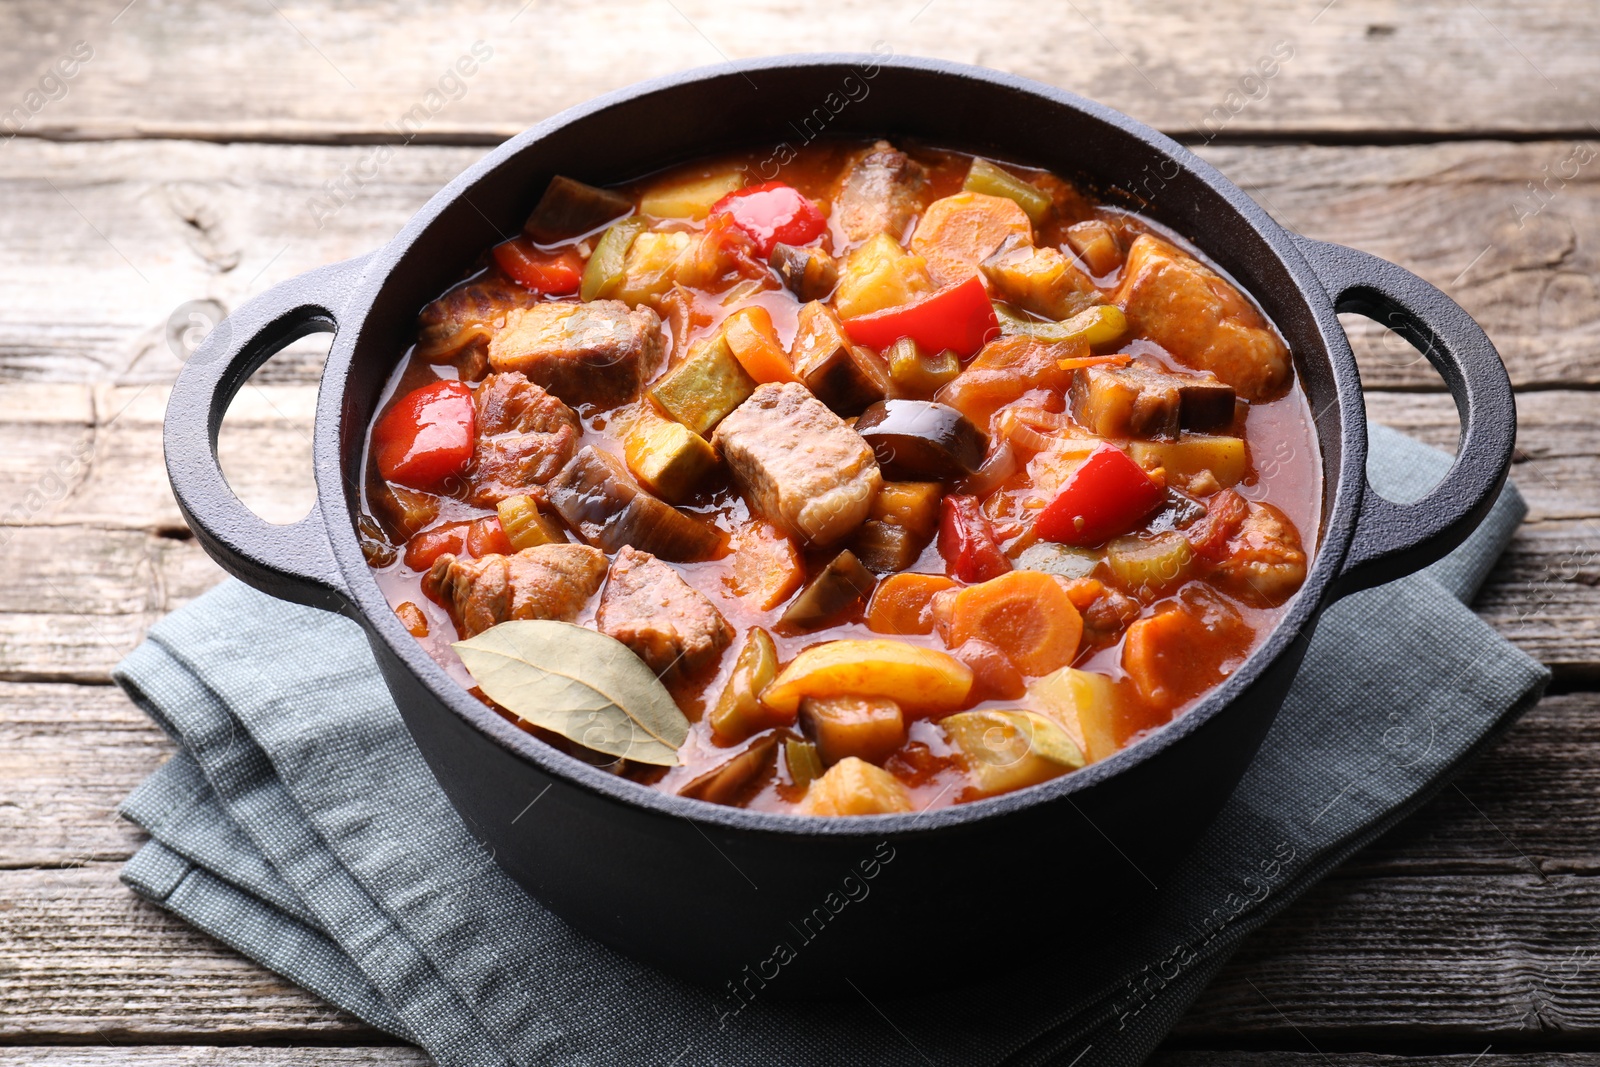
[
  {"x": 293, "y": 562},
  {"x": 1392, "y": 540}
]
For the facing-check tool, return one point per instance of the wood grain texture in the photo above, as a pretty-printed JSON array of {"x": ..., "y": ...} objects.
[
  {"x": 149, "y": 227},
  {"x": 87, "y": 961},
  {"x": 298, "y": 71}
]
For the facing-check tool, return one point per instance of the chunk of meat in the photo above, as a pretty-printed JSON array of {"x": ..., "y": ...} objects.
[
  {"x": 599, "y": 498},
  {"x": 525, "y": 436},
  {"x": 879, "y": 193},
  {"x": 1195, "y": 314},
  {"x": 1263, "y": 562},
  {"x": 598, "y": 353},
  {"x": 1140, "y": 400},
  {"x": 802, "y": 466},
  {"x": 960, "y": 231},
  {"x": 666, "y": 621},
  {"x": 459, "y": 325},
  {"x": 544, "y": 582}
]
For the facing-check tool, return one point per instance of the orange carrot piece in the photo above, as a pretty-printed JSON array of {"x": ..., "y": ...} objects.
[
  {"x": 900, "y": 603},
  {"x": 766, "y": 567},
  {"x": 750, "y": 334},
  {"x": 1026, "y": 614},
  {"x": 1093, "y": 361}
]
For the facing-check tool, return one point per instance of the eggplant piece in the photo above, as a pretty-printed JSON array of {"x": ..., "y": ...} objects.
[
  {"x": 843, "y": 376},
  {"x": 808, "y": 273},
  {"x": 1180, "y": 511},
  {"x": 723, "y": 783},
  {"x": 843, "y": 583},
  {"x": 705, "y": 387},
  {"x": 599, "y": 499},
  {"x": 902, "y": 521},
  {"x": 868, "y": 728},
  {"x": 1139, "y": 400},
  {"x": 921, "y": 440},
  {"x": 569, "y": 208}
]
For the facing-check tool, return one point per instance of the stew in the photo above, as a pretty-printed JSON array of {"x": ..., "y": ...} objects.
[{"x": 914, "y": 477}]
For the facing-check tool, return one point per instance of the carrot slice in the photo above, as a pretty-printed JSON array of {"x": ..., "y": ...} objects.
[
  {"x": 754, "y": 341},
  {"x": 1026, "y": 614},
  {"x": 900, "y": 603}
]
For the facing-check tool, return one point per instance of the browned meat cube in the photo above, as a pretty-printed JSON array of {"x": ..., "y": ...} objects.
[
  {"x": 800, "y": 464},
  {"x": 668, "y": 623},
  {"x": 545, "y": 582},
  {"x": 525, "y": 436},
  {"x": 879, "y": 193},
  {"x": 458, "y": 326},
  {"x": 1194, "y": 313},
  {"x": 600, "y": 499},
  {"x": 1139, "y": 400},
  {"x": 598, "y": 353}
]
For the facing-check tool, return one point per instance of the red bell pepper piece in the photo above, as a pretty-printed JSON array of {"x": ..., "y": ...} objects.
[
  {"x": 967, "y": 543},
  {"x": 958, "y": 317},
  {"x": 556, "y": 273},
  {"x": 770, "y": 213},
  {"x": 1108, "y": 496},
  {"x": 427, "y": 436},
  {"x": 430, "y": 544},
  {"x": 486, "y": 537},
  {"x": 478, "y": 538}
]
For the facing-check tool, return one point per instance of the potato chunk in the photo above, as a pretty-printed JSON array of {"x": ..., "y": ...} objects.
[{"x": 856, "y": 787}]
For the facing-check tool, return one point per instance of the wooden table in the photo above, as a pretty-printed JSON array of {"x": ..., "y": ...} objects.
[{"x": 183, "y": 161}]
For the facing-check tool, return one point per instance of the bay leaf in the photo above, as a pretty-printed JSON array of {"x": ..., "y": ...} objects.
[{"x": 581, "y": 684}]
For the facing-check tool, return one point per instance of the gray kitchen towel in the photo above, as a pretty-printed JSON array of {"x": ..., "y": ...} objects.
[{"x": 299, "y": 824}]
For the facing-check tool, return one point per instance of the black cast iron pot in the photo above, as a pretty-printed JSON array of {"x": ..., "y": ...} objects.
[{"x": 713, "y": 892}]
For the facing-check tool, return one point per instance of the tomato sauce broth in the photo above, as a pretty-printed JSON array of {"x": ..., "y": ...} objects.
[{"x": 1283, "y": 470}]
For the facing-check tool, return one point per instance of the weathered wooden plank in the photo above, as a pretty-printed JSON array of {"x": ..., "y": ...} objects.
[
  {"x": 1508, "y": 957},
  {"x": 1504, "y": 957},
  {"x": 87, "y": 961},
  {"x": 299, "y": 72},
  {"x": 1511, "y": 232},
  {"x": 148, "y": 227},
  {"x": 69, "y": 754}
]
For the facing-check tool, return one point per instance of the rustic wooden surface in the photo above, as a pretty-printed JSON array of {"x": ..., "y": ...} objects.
[{"x": 177, "y": 166}]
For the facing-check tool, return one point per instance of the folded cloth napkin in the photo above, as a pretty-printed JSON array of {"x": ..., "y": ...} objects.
[{"x": 299, "y": 824}]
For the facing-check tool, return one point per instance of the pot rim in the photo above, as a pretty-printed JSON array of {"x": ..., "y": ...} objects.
[{"x": 377, "y": 617}]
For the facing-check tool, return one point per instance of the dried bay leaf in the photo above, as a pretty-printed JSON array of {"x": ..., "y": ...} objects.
[{"x": 581, "y": 684}]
